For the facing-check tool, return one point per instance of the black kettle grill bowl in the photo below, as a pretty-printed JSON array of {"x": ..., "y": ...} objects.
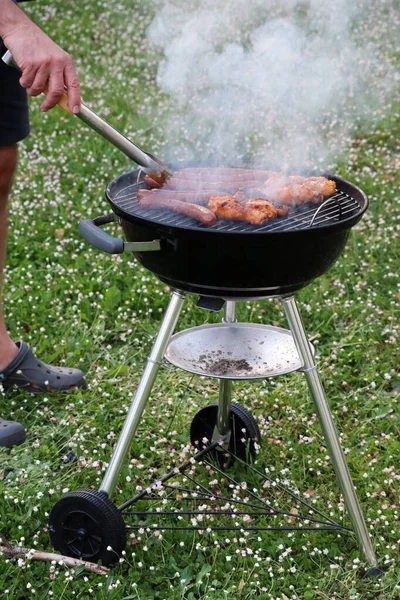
[{"x": 237, "y": 262}]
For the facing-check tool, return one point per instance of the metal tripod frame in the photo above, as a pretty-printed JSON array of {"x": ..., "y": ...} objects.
[{"x": 225, "y": 392}]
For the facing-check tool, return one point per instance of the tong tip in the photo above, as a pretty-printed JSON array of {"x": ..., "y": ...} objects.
[{"x": 161, "y": 176}]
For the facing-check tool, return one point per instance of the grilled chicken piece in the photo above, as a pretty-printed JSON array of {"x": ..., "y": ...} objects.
[
  {"x": 281, "y": 209},
  {"x": 227, "y": 207},
  {"x": 238, "y": 208},
  {"x": 292, "y": 195},
  {"x": 326, "y": 187},
  {"x": 258, "y": 211},
  {"x": 295, "y": 190}
]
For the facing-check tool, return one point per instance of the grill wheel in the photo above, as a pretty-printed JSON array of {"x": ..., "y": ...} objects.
[
  {"x": 84, "y": 523},
  {"x": 245, "y": 433}
]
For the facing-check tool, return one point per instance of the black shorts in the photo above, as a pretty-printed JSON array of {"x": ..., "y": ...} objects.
[{"x": 14, "y": 117}]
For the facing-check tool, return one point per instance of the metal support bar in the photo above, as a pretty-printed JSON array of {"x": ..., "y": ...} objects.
[
  {"x": 182, "y": 467},
  {"x": 222, "y": 430},
  {"x": 143, "y": 391},
  {"x": 230, "y": 312},
  {"x": 329, "y": 430}
]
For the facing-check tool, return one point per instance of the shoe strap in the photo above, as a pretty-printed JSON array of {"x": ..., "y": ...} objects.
[{"x": 16, "y": 361}]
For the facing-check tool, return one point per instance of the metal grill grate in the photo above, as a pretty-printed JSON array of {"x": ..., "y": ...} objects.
[{"x": 338, "y": 207}]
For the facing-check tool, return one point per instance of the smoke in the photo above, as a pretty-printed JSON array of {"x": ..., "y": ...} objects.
[{"x": 271, "y": 82}]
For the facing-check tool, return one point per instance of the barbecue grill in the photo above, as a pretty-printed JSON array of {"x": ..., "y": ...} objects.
[
  {"x": 230, "y": 259},
  {"x": 223, "y": 264}
]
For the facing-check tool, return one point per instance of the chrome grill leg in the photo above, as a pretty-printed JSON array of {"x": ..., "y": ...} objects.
[
  {"x": 329, "y": 430},
  {"x": 143, "y": 392},
  {"x": 222, "y": 430}
]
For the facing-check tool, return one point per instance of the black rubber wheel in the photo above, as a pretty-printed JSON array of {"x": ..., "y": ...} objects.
[
  {"x": 84, "y": 524},
  {"x": 377, "y": 572},
  {"x": 245, "y": 433}
]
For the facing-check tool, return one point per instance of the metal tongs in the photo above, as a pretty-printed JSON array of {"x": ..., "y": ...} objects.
[{"x": 151, "y": 165}]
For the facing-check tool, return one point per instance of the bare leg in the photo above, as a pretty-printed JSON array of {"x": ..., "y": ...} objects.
[
  {"x": 8, "y": 163},
  {"x": 19, "y": 367}
]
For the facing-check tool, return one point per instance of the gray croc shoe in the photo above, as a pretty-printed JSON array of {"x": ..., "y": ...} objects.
[
  {"x": 11, "y": 433},
  {"x": 28, "y": 372}
]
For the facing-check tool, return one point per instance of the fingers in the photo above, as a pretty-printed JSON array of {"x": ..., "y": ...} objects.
[
  {"x": 54, "y": 91},
  {"x": 35, "y": 75},
  {"x": 72, "y": 83},
  {"x": 39, "y": 82},
  {"x": 28, "y": 76},
  {"x": 51, "y": 76}
]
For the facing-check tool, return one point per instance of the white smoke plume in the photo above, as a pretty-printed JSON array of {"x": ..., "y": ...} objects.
[{"x": 278, "y": 82}]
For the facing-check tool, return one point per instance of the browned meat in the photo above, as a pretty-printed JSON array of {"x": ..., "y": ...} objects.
[
  {"x": 326, "y": 187},
  {"x": 220, "y": 173},
  {"x": 238, "y": 208},
  {"x": 152, "y": 182},
  {"x": 227, "y": 187},
  {"x": 295, "y": 190},
  {"x": 194, "y": 197},
  {"x": 226, "y": 207},
  {"x": 281, "y": 209},
  {"x": 200, "y": 213},
  {"x": 291, "y": 195},
  {"x": 258, "y": 211},
  {"x": 158, "y": 177},
  {"x": 273, "y": 186},
  {"x": 225, "y": 192}
]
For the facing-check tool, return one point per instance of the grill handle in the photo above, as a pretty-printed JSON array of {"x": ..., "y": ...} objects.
[{"x": 91, "y": 231}]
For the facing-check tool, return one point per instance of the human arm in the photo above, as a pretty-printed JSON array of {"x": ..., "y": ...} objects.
[{"x": 42, "y": 62}]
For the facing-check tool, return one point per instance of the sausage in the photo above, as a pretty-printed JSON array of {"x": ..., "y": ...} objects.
[
  {"x": 222, "y": 173},
  {"x": 200, "y": 213},
  {"x": 224, "y": 186},
  {"x": 213, "y": 187},
  {"x": 183, "y": 196}
]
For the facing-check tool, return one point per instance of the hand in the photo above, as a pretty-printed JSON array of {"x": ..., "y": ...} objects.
[{"x": 43, "y": 65}]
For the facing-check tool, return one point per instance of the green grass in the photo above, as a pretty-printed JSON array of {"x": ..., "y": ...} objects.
[{"x": 79, "y": 307}]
